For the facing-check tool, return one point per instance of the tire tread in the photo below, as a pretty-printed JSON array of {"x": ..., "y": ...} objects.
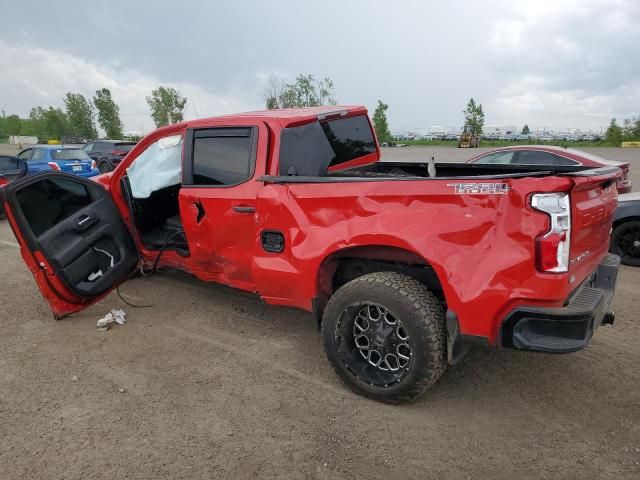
[{"x": 430, "y": 322}]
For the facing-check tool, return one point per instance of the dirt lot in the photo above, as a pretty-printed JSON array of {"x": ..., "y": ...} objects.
[{"x": 217, "y": 384}]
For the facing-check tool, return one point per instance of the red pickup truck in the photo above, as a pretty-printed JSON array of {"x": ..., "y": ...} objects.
[{"x": 404, "y": 265}]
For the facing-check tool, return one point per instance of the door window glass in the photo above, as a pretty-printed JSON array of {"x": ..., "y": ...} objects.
[
  {"x": 47, "y": 202},
  {"x": 225, "y": 158},
  {"x": 158, "y": 167},
  {"x": 26, "y": 155},
  {"x": 38, "y": 155}
]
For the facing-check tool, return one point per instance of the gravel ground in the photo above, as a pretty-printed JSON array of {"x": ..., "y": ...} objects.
[{"x": 209, "y": 382}]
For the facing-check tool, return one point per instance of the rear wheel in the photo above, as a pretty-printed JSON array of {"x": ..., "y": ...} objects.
[
  {"x": 104, "y": 166},
  {"x": 384, "y": 334},
  {"x": 625, "y": 242}
]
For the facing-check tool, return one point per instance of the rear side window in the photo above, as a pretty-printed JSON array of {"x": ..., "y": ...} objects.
[
  {"x": 350, "y": 138},
  {"x": 222, "y": 156},
  {"x": 48, "y": 202},
  {"x": 497, "y": 158},
  {"x": 565, "y": 161},
  {"x": 309, "y": 150},
  {"x": 536, "y": 157}
]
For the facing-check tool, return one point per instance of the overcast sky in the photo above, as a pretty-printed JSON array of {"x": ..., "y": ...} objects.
[{"x": 547, "y": 63}]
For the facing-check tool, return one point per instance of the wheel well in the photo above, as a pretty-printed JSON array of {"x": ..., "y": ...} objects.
[
  {"x": 620, "y": 221},
  {"x": 348, "y": 264}
]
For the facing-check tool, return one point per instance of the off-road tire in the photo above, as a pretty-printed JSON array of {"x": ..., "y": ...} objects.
[{"x": 422, "y": 316}]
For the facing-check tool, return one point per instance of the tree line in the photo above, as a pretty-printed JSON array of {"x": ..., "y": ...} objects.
[
  {"x": 628, "y": 131},
  {"x": 81, "y": 116}
]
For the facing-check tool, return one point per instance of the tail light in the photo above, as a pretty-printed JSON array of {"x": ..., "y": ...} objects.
[
  {"x": 552, "y": 248},
  {"x": 93, "y": 165},
  {"x": 625, "y": 172},
  {"x": 54, "y": 166}
]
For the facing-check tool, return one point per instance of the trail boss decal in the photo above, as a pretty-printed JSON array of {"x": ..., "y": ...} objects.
[{"x": 480, "y": 188}]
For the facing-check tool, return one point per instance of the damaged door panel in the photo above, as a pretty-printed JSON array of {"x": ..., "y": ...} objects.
[{"x": 72, "y": 237}]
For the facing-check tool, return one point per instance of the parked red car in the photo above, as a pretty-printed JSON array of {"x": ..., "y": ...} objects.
[
  {"x": 553, "y": 156},
  {"x": 404, "y": 267}
]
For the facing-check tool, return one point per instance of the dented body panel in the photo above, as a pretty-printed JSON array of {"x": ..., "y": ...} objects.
[{"x": 479, "y": 245}]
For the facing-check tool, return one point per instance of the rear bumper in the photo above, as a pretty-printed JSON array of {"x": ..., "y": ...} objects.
[{"x": 569, "y": 328}]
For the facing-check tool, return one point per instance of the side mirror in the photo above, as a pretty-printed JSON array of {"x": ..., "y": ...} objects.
[{"x": 12, "y": 168}]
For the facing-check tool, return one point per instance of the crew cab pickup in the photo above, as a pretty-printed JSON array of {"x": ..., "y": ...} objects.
[{"x": 404, "y": 265}]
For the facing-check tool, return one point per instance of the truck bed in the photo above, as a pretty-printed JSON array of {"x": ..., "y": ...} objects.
[{"x": 444, "y": 171}]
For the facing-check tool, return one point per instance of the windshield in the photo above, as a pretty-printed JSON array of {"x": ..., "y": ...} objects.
[{"x": 69, "y": 154}]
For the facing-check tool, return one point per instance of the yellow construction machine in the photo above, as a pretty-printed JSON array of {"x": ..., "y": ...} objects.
[{"x": 469, "y": 138}]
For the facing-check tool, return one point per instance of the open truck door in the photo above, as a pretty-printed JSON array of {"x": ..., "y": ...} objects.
[{"x": 72, "y": 237}]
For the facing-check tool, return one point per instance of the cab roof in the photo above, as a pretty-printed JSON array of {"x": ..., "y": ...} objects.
[{"x": 286, "y": 116}]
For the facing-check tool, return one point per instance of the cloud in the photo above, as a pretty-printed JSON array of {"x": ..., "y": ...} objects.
[
  {"x": 566, "y": 63},
  {"x": 563, "y": 62},
  {"x": 37, "y": 76},
  {"x": 531, "y": 100}
]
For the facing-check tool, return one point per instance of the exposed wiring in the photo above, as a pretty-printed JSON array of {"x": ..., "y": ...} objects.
[
  {"x": 162, "y": 250},
  {"x": 153, "y": 270},
  {"x": 129, "y": 303}
]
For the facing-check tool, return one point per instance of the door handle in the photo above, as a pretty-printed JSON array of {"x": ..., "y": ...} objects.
[
  {"x": 244, "y": 209},
  {"x": 85, "y": 221}
]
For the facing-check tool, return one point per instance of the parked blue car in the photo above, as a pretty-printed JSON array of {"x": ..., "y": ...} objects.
[{"x": 62, "y": 159}]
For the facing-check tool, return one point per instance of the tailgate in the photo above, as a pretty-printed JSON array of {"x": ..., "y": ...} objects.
[
  {"x": 74, "y": 166},
  {"x": 593, "y": 202}
]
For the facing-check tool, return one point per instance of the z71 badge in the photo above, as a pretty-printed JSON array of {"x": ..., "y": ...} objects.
[{"x": 480, "y": 188}]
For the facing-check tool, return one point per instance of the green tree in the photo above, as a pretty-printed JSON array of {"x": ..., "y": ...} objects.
[
  {"x": 380, "y": 124},
  {"x": 306, "y": 91},
  {"x": 614, "y": 134},
  {"x": 108, "y": 113},
  {"x": 631, "y": 128},
  {"x": 57, "y": 124},
  {"x": 525, "y": 130},
  {"x": 36, "y": 124},
  {"x": 81, "y": 115},
  {"x": 474, "y": 116},
  {"x": 13, "y": 125},
  {"x": 167, "y": 106}
]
